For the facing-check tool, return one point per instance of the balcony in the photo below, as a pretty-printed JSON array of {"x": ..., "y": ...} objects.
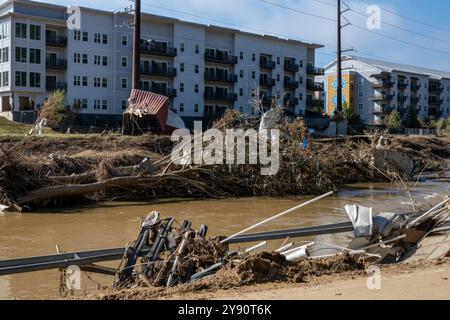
[
  {"x": 435, "y": 112},
  {"x": 381, "y": 97},
  {"x": 290, "y": 102},
  {"x": 220, "y": 58},
  {"x": 52, "y": 86},
  {"x": 291, "y": 84},
  {"x": 266, "y": 64},
  {"x": 60, "y": 42},
  {"x": 168, "y": 92},
  {"x": 268, "y": 101},
  {"x": 415, "y": 86},
  {"x": 266, "y": 82},
  {"x": 402, "y": 98},
  {"x": 158, "y": 50},
  {"x": 220, "y": 96},
  {"x": 384, "y": 83},
  {"x": 436, "y": 88},
  {"x": 315, "y": 86},
  {"x": 383, "y": 110},
  {"x": 291, "y": 67},
  {"x": 415, "y": 100},
  {"x": 159, "y": 72},
  {"x": 57, "y": 64},
  {"x": 435, "y": 102},
  {"x": 314, "y": 71},
  {"x": 314, "y": 103},
  {"x": 403, "y": 84},
  {"x": 221, "y": 77}
]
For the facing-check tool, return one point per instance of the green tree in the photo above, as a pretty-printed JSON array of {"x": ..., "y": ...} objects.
[
  {"x": 411, "y": 120},
  {"x": 394, "y": 121},
  {"x": 54, "y": 109}
]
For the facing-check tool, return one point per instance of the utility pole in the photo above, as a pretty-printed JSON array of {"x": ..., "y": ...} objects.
[
  {"x": 137, "y": 44},
  {"x": 339, "y": 58}
]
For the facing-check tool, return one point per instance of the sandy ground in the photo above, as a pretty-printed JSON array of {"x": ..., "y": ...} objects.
[{"x": 398, "y": 282}]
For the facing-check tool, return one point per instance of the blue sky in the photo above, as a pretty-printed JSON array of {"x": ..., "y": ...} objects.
[{"x": 262, "y": 17}]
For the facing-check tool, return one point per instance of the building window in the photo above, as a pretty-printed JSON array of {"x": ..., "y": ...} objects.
[
  {"x": 84, "y": 103},
  {"x": 361, "y": 94},
  {"x": 105, "y": 82},
  {"x": 35, "y": 56},
  {"x": 96, "y": 104},
  {"x": 301, "y": 96},
  {"x": 104, "y": 104},
  {"x": 85, "y": 81},
  {"x": 181, "y": 107},
  {"x": 181, "y": 67},
  {"x": 4, "y": 31},
  {"x": 241, "y": 55},
  {"x": 77, "y": 57},
  {"x": 124, "y": 62},
  {"x": 182, "y": 47},
  {"x": 124, "y": 83},
  {"x": 21, "y": 55},
  {"x": 196, "y": 108},
  {"x": 85, "y": 58},
  {"x": 5, "y": 78},
  {"x": 197, "y": 68},
  {"x": 196, "y": 88},
  {"x": 105, "y": 60},
  {"x": 181, "y": 87},
  {"x": 85, "y": 36},
  {"x": 124, "y": 40},
  {"x": 278, "y": 60},
  {"x": 253, "y": 75},
  {"x": 241, "y": 92},
  {"x": 97, "y": 60},
  {"x": 35, "y": 80},
  {"x": 35, "y": 32},
  {"x": 76, "y": 81},
  {"x": 105, "y": 39},
  {"x": 197, "y": 49},
  {"x": 301, "y": 63},
  {"x": 253, "y": 57},
  {"x": 241, "y": 74},
  {"x": 21, "y": 30},
  {"x": 97, "y": 37},
  {"x": 77, "y": 35},
  {"x": 361, "y": 81},
  {"x": 278, "y": 77},
  {"x": 124, "y": 104},
  {"x": 96, "y": 82},
  {"x": 361, "y": 106},
  {"x": 301, "y": 80},
  {"x": 5, "y": 55},
  {"x": 21, "y": 79}
]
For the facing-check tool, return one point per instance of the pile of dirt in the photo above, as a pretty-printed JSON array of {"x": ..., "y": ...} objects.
[{"x": 262, "y": 268}]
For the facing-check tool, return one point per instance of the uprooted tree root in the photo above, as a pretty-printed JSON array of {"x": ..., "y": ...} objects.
[
  {"x": 36, "y": 173},
  {"x": 261, "y": 268}
]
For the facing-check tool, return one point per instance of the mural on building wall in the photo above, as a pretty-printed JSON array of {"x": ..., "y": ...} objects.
[{"x": 347, "y": 92}]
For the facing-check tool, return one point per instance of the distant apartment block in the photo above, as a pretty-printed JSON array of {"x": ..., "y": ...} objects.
[
  {"x": 375, "y": 88},
  {"x": 203, "y": 69}
]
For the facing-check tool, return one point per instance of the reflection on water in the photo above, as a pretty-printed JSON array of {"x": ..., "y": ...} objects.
[{"x": 115, "y": 224}]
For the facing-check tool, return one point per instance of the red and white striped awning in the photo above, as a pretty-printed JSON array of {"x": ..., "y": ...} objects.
[{"x": 143, "y": 103}]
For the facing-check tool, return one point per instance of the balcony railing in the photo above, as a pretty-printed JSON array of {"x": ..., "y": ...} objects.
[
  {"x": 266, "y": 82},
  {"x": 383, "y": 110},
  {"x": 56, "y": 41},
  {"x": 315, "y": 71},
  {"x": 385, "y": 83},
  {"x": 58, "y": 64},
  {"x": 221, "y": 77},
  {"x": 314, "y": 103},
  {"x": 290, "y": 102},
  {"x": 159, "y": 72},
  {"x": 433, "y": 101},
  {"x": 315, "y": 86},
  {"x": 52, "y": 86},
  {"x": 219, "y": 96},
  {"x": 402, "y": 98},
  {"x": 291, "y": 84},
  {"x": 218, "y": 58},
  {"x": 381, "y": 97},
  {"x": 436, "y": 88},
  {"x": 267, "y": 64},
  {"x": 415, "y": 86},
  {"x": 403, "y": 84},
  {"x": 291, "y": 67},
  {"x": 168, "y": 92},
  {"x": 415, "y": 100},
  {"x": 156, "y": 50}
]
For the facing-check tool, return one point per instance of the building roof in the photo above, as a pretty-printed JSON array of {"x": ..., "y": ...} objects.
[{"x": 391, "y": 66}]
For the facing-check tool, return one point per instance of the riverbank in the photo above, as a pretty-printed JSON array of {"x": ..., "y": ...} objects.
[{"x": 58, "y": 171}]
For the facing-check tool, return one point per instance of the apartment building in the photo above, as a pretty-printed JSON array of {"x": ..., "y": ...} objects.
[
  {"x": 374, "y": 88},
  {"x": 203, "y": 69}
]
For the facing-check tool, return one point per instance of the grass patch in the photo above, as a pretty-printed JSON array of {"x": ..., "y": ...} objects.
[{"x": 11, "y": 128}]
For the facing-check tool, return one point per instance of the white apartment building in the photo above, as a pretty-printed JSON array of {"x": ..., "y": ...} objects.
[
  {"x": 203, "y": 69},
  {"x": 374, "y": 88}
]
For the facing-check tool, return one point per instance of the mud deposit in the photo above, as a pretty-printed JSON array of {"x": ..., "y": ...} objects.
[{"x": 262, "y": 268}]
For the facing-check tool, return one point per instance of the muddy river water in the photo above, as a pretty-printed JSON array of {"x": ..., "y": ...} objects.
[{"x": 114, "y": 224}]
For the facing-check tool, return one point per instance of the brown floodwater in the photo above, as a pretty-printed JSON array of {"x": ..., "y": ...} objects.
[{"x": 115, "y": 224}]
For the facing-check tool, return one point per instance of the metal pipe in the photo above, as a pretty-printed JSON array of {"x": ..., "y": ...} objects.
[{"x": 411, "y": 224}]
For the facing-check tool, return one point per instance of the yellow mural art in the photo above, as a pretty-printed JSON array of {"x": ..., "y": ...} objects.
[{"x": 347, "y": 92}]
